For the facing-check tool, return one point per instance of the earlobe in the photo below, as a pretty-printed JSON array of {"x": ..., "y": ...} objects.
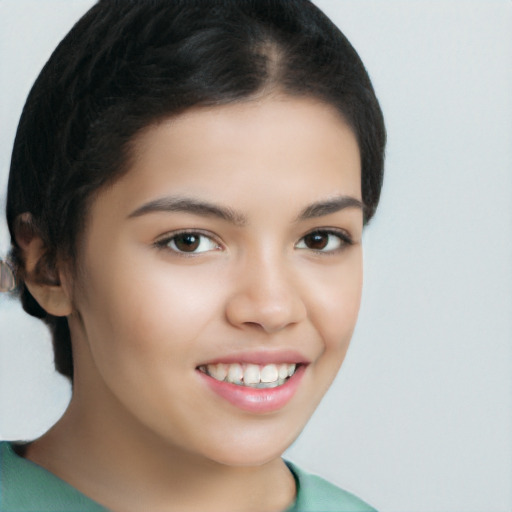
[{"x": 42, "y": 276}]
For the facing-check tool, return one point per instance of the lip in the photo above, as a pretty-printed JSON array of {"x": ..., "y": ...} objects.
[
  {"x": 253, "y": 400},
  {"x": 261, "y": 358}
]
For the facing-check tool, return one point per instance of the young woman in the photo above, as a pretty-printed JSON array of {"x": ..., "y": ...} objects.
[{"x": 188, "y": 189}]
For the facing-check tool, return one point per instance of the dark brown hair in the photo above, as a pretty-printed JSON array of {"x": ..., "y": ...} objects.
[{"x": 129, "y": 63}]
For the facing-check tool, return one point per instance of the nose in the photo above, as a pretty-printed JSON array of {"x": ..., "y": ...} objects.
[{"x": 266, "y": 297}]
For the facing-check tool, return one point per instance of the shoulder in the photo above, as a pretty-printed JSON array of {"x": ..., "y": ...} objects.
[
  {"x": 27, "y": 487},
  {"x": 314, "y": 494}
]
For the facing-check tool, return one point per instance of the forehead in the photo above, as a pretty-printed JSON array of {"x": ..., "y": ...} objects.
[{"x": 263, "y": 148}]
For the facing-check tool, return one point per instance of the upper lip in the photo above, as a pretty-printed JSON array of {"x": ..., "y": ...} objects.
[{"x": 262, "y": 357}]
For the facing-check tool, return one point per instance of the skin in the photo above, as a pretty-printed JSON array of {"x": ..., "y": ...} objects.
[{"x": 142, "y": 429}]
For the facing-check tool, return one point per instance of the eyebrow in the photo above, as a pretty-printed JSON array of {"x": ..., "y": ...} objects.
[
  {"x": 190, "y": 205},
  {"x": 336, "y": 204},
  {"x": 206, "y": 209}
]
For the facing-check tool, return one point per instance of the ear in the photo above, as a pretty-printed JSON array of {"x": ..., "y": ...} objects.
[{"x": 42, "y": 276}]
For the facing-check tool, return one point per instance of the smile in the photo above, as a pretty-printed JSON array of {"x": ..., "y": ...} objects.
[
  {"x": 256, "y": 388},
  {"x": 251, "y": 375}
]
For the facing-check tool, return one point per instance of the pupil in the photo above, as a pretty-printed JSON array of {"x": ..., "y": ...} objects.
[
  {"x": 316, "y": 241},
  {"x": 187, "y": 242}
]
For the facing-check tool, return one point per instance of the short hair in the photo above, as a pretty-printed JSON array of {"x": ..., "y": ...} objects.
[{"x": 128, "y": 64}]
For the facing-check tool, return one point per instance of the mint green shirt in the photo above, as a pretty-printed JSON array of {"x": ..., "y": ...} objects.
[{"x": 27, "y": 487}]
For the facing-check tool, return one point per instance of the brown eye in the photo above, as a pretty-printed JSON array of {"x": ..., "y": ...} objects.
[
  {"x": 324, "y": 241},
  {"x": 316, "y": 241},
  {"x": 189, "y": 243}
]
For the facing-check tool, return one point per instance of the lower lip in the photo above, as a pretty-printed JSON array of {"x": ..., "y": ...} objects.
[{"x": 256, "y": 400}]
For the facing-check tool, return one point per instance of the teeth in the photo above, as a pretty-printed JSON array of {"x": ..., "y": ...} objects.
[
  {"x": 235, "y": 373},
  {"x": 219, "y": 371},
  {"x": 269, "y": 373},
  {"x": 251, "y": 375},
  {"x": 283, "y": 371}
]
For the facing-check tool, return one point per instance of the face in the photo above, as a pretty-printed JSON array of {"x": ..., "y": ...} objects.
[{"x": 227, "y": 259}]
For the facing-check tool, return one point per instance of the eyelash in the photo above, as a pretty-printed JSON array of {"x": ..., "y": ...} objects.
[
  {"x": 344, "y": 238},
  {"x": 164, "y": 243}
]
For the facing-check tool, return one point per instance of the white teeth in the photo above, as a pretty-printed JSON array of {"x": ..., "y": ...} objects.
[
  {"x": 251, "y": 375},
  {"x": 269, "y": 373},
  {"x": 218, "y": 371},
  {"x": 283, "y": 371},
  {"x": 235, "y": 373}
]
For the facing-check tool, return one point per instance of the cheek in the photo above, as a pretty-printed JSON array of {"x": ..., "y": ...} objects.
[
  {"x": 150, "y": 314},
  {"x": 336, "y": 302}
]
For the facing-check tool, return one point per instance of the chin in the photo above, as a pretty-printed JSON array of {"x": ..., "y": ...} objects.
[
  {"x": 248, "y": 458},
  {"x": 247, "y": 452}
]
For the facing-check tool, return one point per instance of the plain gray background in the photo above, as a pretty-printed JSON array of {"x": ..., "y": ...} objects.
[{"x": 420, "y": 417}]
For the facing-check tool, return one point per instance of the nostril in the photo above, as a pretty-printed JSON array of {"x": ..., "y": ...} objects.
[{"x": 255, "y": 325}]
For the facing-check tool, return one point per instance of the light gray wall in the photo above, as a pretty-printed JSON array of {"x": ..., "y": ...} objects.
[{"x": 420, "y": 417}]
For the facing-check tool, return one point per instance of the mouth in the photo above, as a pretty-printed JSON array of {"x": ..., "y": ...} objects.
[
  {"x": 258, "y": 382},
  {"x": 251, "y": 375},
  {"x": 255, "y": 388}
]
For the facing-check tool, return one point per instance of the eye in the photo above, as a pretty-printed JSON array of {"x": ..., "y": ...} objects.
[
  {"x": 189, "y": 242},
  {"x": 324, "y": 241}
]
